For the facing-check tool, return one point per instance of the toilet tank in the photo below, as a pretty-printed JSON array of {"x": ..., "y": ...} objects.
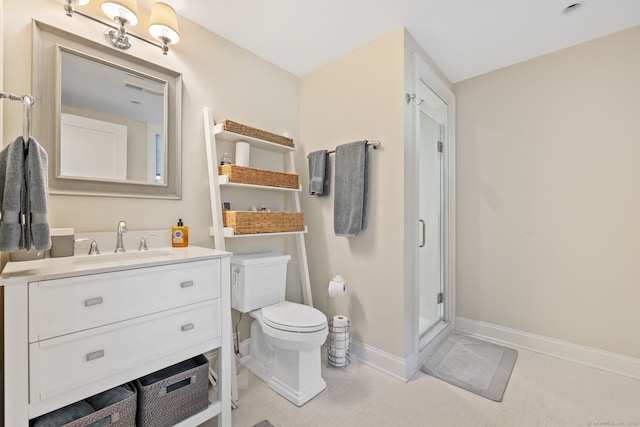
[{"x": 258, "y": 280}]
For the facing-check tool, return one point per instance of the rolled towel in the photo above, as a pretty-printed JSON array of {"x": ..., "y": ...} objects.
[
  {"x": 109, "y": 397},
  {"x": 318, "y": 177},
  {"x": 65, "y": 415},
  {"x": 170, "y": 371}
]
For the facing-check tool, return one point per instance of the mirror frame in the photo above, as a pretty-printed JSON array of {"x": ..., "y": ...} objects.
[{"x": 48, "y": 43}]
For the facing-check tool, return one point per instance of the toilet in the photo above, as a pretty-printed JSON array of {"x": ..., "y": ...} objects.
[{"x": 286, "y": 337}]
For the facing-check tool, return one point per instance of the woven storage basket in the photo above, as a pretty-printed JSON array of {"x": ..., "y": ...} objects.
[
  {"x": 236, "y": 127},
  {"x": 255, "y": 176},
  {"x": 172, "y": 394},
  {"x": 247, "y": 222},
  {"x": 120, "y": 414}
]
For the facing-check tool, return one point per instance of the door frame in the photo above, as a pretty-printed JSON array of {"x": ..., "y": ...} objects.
[{"x": 422, "y": 72}]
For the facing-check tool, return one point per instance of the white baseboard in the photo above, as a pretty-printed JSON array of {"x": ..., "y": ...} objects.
[
  {"x": 401, "y": 369},
  {"x": 589, "y": 356},
  {"x": 381, "y": 360},
  {"x": 378, "y": 359}
]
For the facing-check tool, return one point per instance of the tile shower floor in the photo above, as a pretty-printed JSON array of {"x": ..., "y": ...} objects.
[{"x": 543, "y": 391}]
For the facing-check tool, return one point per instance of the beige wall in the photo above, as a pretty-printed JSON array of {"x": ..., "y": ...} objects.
[
  {"x": 360, "y": 97},
  {"x": 549, "y": 195}
]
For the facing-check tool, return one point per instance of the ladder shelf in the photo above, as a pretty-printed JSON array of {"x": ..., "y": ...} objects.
[{"x": 218, "y": 231}]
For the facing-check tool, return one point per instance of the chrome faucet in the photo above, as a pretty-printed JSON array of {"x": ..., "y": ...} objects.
[{"x": 122, "y": 228}]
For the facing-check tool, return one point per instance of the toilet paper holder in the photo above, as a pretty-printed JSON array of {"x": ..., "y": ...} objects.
[{"x": 338, "y": 342}]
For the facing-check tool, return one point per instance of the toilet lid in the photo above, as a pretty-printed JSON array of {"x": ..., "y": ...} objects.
[{"x": 289, "y": 316}]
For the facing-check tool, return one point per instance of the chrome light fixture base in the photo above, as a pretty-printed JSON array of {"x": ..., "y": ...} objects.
[{"x": 118, "y": 36}]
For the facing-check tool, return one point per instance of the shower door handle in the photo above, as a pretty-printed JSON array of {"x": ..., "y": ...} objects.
[{"x": 424, "y": 233}]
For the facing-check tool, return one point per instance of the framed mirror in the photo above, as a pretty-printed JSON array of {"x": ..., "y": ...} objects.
[{"x": 110, "y": 122}]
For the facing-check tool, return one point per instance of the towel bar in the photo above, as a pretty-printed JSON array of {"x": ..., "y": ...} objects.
[{"x": 374, "y": 144}]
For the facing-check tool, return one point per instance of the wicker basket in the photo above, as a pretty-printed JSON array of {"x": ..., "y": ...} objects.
[
  {"x": 120, "y": 414},
  {"x": 244, "y": 175},
  {"x": 236, "y": 127},
  {"x": 172, "y": 394},
  {"x": 247, "y": 222}
]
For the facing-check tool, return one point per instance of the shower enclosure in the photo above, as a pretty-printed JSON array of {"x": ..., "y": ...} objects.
[{"x": 431, "y": 295}]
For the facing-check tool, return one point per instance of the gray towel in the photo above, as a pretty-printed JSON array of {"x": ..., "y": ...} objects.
[
  {"x": 11, "y": 195},
  {"x": 351, "y": 194},
  {"x": 318, "y": 182},
  {"x": 38, "y": 234},
  {"x": 64, "y": 415},
  {"x": 24, "y": 197},
  {"x": 110, "y": 397}
]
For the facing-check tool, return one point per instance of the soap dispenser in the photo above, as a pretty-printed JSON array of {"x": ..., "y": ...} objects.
[{"x": 180, "y": 235}]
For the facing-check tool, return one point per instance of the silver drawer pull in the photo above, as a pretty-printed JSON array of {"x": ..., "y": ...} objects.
[
  {"x": 188, "y": 327},
  {"x": 186, "y": 284},
  {"x": 93, "y": 301},
  {"x": 95, "y": 355}
]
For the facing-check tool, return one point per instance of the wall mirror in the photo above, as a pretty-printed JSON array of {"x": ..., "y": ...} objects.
[{"x": 109, "y": 121}]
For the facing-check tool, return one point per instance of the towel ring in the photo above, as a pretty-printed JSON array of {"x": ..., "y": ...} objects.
[{"x": 27, "y": 102}]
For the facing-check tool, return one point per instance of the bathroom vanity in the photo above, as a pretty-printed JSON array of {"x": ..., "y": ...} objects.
[{"x": 76, "y": 326}]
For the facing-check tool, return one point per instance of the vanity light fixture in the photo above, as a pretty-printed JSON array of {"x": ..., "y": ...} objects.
[{"x": 163, "y": 23}]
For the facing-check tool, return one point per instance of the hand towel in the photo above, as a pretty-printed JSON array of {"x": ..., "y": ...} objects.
[
  {"x": 318, "y": 182},
  {"x": 351, "y": 193},
  {"x": 37, "y": 234},
  {"x": 12, "y": 194},
  {"x": 24, "y": 197}
]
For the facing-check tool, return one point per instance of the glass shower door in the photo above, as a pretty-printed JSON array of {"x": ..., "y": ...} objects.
[{"x": 430, "y": 199}]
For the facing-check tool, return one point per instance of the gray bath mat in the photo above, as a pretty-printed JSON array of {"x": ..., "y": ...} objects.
[
  {"x": 263, "y": 423},
  {"x": 477, "y": 366}
]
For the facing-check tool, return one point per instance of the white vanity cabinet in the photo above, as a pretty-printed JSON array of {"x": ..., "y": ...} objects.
[{"x": 75, "y": 329}]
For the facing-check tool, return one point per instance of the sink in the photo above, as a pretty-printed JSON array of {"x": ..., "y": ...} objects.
[{"x": 121, "y": 258}]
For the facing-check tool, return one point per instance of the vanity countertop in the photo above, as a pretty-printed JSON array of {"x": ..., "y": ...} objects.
[{"x": 79, "y": 265}]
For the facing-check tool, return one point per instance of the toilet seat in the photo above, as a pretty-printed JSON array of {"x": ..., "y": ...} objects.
[{"x": 292, "y": 317}]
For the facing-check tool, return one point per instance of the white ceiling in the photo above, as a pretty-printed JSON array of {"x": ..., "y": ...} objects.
[{"x": 464, "y": 37}]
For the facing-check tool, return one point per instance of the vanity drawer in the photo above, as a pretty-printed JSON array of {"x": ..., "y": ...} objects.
[
  {"x": 61, "y": 364},
  {"x": 63, "y": 306}
]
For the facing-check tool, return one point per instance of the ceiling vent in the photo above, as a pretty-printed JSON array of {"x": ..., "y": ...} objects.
[{"x": 137, "y": 87}]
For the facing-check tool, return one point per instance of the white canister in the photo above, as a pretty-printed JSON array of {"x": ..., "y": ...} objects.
[
  {"x": 243, "y": 153},
  {"x": 61, "y": 242}
]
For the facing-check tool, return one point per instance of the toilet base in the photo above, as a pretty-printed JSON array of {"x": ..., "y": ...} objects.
[
  {"x": 293, "y": 374},
  {"x": 297, "y": 397}
]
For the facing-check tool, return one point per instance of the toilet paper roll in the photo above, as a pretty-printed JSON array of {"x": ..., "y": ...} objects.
[
  {"x": 340, "y": 320},
  {"x": 243, "y": 153},
  {"x": 337, "y": 289},
  {"x": 340, "y": 341},
  {"x": 338, "y": 354}
]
